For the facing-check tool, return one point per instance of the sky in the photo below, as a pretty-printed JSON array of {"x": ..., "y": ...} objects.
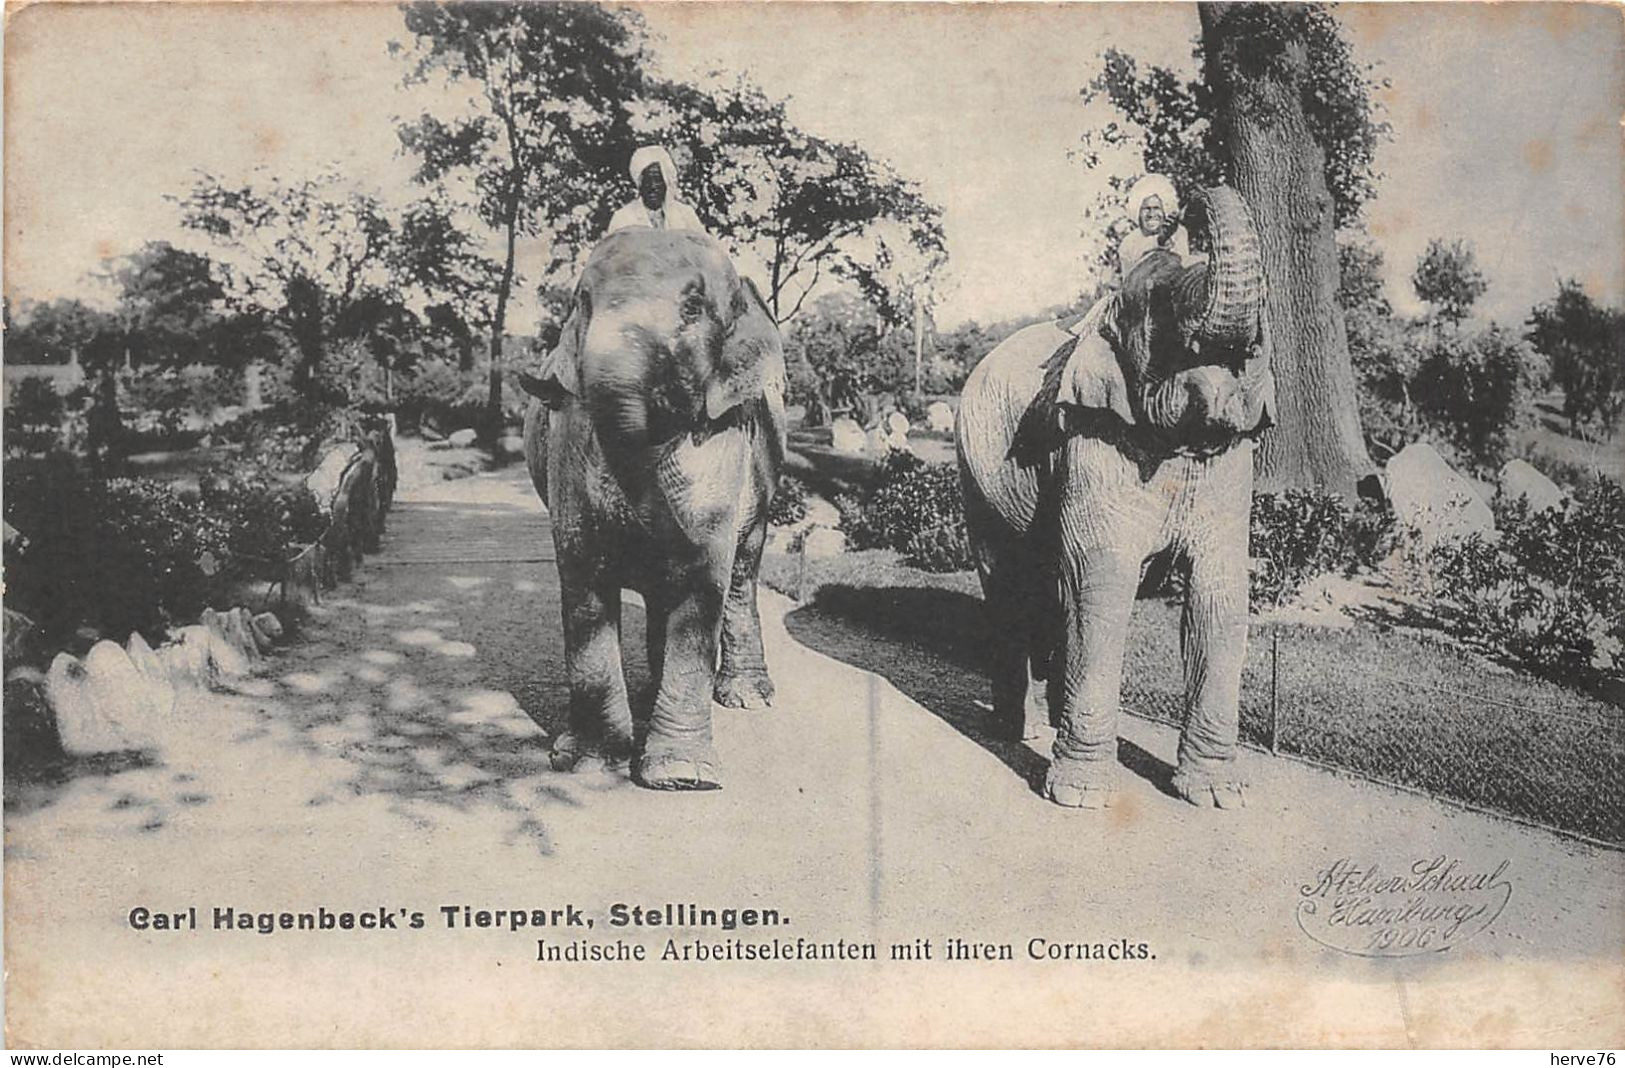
[{"x": 1506, "y": 123}]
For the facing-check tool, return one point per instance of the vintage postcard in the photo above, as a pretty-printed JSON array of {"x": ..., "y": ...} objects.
[{"x": 814, "y": 525}]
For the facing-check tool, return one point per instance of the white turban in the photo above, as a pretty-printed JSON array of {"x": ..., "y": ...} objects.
[
  {"x": 1153, "y": 185},
  {"x": 654, "y": 154}
]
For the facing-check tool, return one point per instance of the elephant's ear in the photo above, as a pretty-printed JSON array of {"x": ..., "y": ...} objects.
[
  {"x": 559, "y": 377},
  {"x": 1093, "y": 376},
  {"x": 751, "y": 364}
]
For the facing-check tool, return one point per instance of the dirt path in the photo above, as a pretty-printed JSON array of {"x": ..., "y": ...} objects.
[{"x": 395, "y": 759}]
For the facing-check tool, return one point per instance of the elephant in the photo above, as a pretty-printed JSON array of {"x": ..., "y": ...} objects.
[
  {"x": 655, "y": 438},
  {"x": 1088, "y": 448}
]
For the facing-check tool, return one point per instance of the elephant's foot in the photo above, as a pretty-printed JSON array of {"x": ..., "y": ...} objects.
[
  {"x": 1207, "y": 791},
  {"x": 1077, "y": 784},
  {"x": 570, "y": 749},
  {"x": 675, "y": 766},
  {"x": 750, "y": 689}
]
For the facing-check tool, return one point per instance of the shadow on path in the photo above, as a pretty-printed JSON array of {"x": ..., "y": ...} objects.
[{"x": 930, "y": 643}]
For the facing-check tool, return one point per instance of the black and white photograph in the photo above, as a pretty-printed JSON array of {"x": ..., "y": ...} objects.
[{"x": 716, "y": 525}]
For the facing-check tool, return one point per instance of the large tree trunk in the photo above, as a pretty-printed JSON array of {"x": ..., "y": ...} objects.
[{"x": 1280, "y": 170}]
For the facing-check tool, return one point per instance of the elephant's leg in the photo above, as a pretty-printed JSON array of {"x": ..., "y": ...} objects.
[
  {"x": 1086, "y": 679},
  {"x": 742, "y": 678},
  {"x": 655, "y": 613},
  {"x": 677, "y": 752},
  {"x": 1213, "y": 635},
  {"x": 600, "y": 717},
  {"x": 1013, "y": 638}
]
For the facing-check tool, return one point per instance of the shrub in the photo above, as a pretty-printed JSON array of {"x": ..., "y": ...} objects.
[
  {"x": 267, "y": 520},
  {"x": 1475, "y": 389},
  {"x": 290, "y": 436},
  {"x": 438, "y": 391},
  {"x": 1550, "y": 590},
  {"x": 912, "y": 507},
  {"x": 789, "y": 502},
  {"x": 1298, "y": 535},
  {"x": 119, "y": 555},
  {"x": 34, "y": 415},
  {"x": 173, "y": 393},
  {"x": 139, "y": 554}
]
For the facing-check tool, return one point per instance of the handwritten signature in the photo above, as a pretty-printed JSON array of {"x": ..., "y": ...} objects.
[{"x": 1429, "y": 907}]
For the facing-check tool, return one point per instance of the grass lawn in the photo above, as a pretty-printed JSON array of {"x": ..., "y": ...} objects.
[{"x": 1392, "y": 704}]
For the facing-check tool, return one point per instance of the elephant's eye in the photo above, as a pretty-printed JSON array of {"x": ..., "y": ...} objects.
[{"x": 692, "y": 307}]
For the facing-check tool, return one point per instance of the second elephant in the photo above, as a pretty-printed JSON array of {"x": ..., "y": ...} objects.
[{"x": 1085, "y": 450}]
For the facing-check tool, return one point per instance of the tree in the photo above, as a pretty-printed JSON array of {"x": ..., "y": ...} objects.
[
  {"x": 546, "y": 144},
  {"x": 810, "y": 208},
  {"x": 53, "y": 332},
  {"x": 458, "y": 283},
  {"x": 1267, "y": 68},
  {"x": 1281, "y": 111},
  {"x": 172, "y": 307},
  {"x": 1447, "y": 278},
  {"x": 1585, "y": 344},
  {"x": 310, "y": 259},
  {"x": 851, "y": 354}
]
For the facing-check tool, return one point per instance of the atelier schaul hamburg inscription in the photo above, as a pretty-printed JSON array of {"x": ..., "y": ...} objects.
[
  {"x": 1427, "y": 906},
  {"x": 729, "y": 933}
]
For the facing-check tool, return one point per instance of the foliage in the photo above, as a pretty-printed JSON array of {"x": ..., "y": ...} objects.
[
  {"x": 1298, "y": 535},
  {"x": 545, "y": 150},
  {"x": 34, "y": 415},
  {"x": 915, "y": 508},
  {"x": 1474, "y": 389},
  {"x": 1448, "y": 279},
  {"x": 1550, "y": 591},
  {"x": 308, "y": 260},
  {"x": 438, "y": 393},
  {"x": 1168, "y": 120},
  {"x": 119, "y": 555},
  {"x": 173, "y": 393},
  {"x": 289, "y": 436},
  {"x": 267, "y": 518},
  {"x": 809, "y": 207},
  {"x": 789, "y": 502},
  {"x": 1585, "y": 344},
  {"x": 849, "y": 351},
  {"x": 52, "y": 331}
]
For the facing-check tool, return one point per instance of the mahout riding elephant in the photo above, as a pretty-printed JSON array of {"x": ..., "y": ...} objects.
[
  {"x": 1087, "y": 448},
  {"x": 656, "y": 443}
]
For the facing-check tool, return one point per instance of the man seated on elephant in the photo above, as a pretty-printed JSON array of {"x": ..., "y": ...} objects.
[
  {"x": 1153, "y": 207},
  {"x": 656, "y": 205}
]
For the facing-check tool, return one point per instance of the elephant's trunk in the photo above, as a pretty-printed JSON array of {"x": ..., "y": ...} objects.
[{"x": 1234, "y": 279}]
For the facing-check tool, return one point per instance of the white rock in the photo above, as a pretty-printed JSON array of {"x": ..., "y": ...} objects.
[
  {"x": 145, "y": 660},
  {"x": 186, "y": 657},
  {"x": 1432, "y": 501},
  {"x": 137, "y": 704},
  {"x": 896, "y": 424},
  {"x": 267, "y": 629},
  {"x": 846, "y": 436},
  {"x": 1520, "y": 478},
  {"x": 821, "y": 543},
  {"x": 512, "y": 445},
  {"x": 82, "y": 721},
  {"x": 462, "y": 439},
  {"x": 939, "y": 418},
  {"x": 233, "y": 627}
]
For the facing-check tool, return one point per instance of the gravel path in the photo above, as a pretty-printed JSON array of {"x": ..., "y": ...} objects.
[{"x": 395, "y": 759}]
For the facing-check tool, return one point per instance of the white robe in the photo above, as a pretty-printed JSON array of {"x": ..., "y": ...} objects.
[{"x": 674, "y": 216}]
